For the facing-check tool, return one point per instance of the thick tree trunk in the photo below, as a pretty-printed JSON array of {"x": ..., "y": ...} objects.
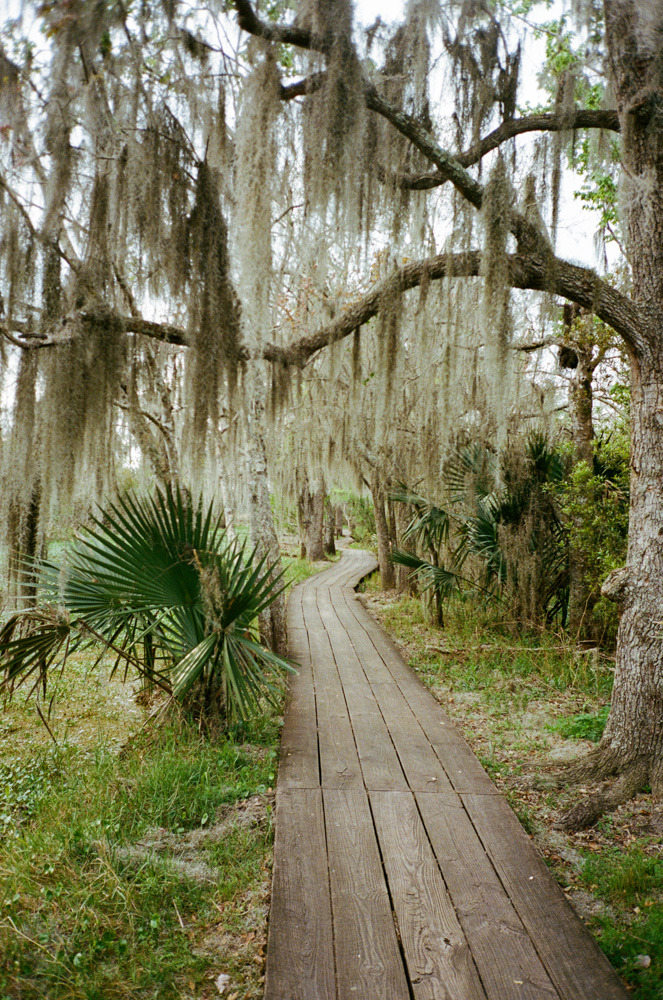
[
  {"x": 387, "y": 575},
  {"x": 632, "y": 744},
  {"x": 635, "y": 725},
  {"x": 311, "y": 514},
  {"x": 330, "y": 529},
  {"x": 314, "y": 537}
]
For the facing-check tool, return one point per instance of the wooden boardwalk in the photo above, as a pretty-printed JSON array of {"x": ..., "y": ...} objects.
[{"x": 400, "y": 873}]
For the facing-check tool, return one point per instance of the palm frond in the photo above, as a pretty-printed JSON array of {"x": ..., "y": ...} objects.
[{"x": 156, "y": 580}]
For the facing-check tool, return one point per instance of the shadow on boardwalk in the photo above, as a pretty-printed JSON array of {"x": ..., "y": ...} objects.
[{"x": 399, "y": 871}]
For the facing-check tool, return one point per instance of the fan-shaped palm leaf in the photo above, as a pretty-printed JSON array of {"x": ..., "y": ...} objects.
[{"x": 157, "y": 581}]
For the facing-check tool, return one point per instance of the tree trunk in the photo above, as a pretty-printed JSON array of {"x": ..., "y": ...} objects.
[
  {"x": 582, "y": 596},
  {"x": 632, "y": 743},
  {"x": 635, "y": 725},
  {"x": 387, "y": 575},
  {"x": 228, "y": 507},
  {"x": 263, "y": 531},
  {"x": 330, "y": 526},
  {"x": 311, "y": 514}
]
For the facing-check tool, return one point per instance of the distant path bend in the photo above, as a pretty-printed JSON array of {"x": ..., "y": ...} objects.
[{"x": 400, "y": 873}]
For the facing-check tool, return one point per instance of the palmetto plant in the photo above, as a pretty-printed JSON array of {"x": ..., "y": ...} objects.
[
  {"x": 483, "y": 508},
  {"x": 156, "y": 581}
]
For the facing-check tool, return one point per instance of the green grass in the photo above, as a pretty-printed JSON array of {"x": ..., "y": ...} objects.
[
  {"x": 481, "y": 655},
  {"x": 631, "y": 882},
  {"x": 585, "y": 726},
  {"x": 82, "y": 919},
  {"x": 86, "y": 912},
  {"x": 297, "y": 569}
]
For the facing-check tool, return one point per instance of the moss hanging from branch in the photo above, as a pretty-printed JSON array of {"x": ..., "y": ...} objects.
[
  {"x": 497, "y": 213},
  {"x": 255, "y": 177},
  {"x": 214, "y": 309}
]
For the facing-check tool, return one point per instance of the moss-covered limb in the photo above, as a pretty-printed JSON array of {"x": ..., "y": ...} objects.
[
  {"x": 579, "y": 284},
  {"x": 584, "y": 118},
  {"x": 68, "y": 255},
  {"x": 449, "y": 166}
]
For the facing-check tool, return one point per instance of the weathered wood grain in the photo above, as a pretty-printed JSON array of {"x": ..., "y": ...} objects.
[
  {"x": 574, "y": 962},
  {"x": 368, "y": 958},
  {"x": 418, "y": 759},
  {"x": 300, "y": 947},
  {"x": 439, "y": 961},
  {"x": 476, "y": 914},
  {"x": 505, "y": 956}
]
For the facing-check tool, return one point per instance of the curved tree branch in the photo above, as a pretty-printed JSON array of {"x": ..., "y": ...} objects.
[
  {"x": 249, "y": 21},
  {"x": 582, "y": 118},
  {"x": 531, "y": 271}
]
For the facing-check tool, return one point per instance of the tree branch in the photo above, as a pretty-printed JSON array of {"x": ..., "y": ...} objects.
[
  {"x": 72, "y": 326},
  {"x": 582, "y": 118},
  {"x": 249, "y": 21},
  {"x": 528, "y": 236},
  {"x": 531, "y": 271}
]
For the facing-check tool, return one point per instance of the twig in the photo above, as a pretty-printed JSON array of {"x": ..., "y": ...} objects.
[{"x": 48, "y": 728}]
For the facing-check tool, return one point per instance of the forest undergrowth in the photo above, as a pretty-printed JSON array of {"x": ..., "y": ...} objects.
[
  {"x": 527, "y": 703},
  {"x": 135, "y": 861}
]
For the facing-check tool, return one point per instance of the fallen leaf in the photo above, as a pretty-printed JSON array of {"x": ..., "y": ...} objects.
[{"x": 222, "y": 981}]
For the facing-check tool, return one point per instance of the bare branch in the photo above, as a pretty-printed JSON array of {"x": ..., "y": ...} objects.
[{"x": 288, "y": 34}]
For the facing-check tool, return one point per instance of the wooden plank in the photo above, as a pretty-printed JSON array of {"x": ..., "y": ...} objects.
[
  {"x": 326, "y": 681},
  {"x": 573, "y": 960},
  {"x": 372, "y": 665},
  {"x": 368, "y": 959},
  {"x": 379, "y": 761},
  {"x": 298, "y": 646},
  {"x": 298, "y": 759},
  {"x": 300, "y": 955},
  {"x": 439, "y": 961},
  {"x": 506, "y": 959},
  {"x": 460, "y": 763},
  {"x": 421, "y": 765},
  {"x": 379, "y": 639},
  {"x": 339, "y": 761}
]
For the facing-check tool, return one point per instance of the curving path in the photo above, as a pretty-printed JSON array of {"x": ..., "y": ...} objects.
[{"x": 400, "y": 873}]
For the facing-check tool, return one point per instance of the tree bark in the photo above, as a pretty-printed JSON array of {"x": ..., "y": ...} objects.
[
  {"x": 387, "y": 575},
  {"x": 635, "y": 725},
  {"x": 330, "y": 528},
  {"x": 632, "y": 743},
  {"x": 582, "y": 596},
  {"x": 311, "y": 514},
  {"x": 263, "y": 532}
]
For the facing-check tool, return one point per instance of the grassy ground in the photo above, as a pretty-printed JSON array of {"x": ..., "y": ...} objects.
[
  {"x": 134, "y": 862},
  {"x": 526, "y": 704}
]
